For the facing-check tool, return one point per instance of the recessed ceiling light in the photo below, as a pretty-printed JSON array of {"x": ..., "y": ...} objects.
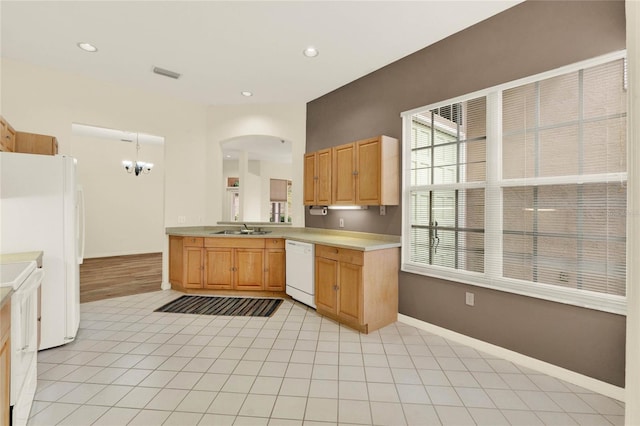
[
  {"x": 228, "y": 156},
  {"x": 310, "y": 52},
  {"x": 246, "y": 93},
  {"x": 87, "y": 47}
]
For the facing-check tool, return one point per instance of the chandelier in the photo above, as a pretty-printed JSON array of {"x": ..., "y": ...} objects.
[{"x": 137, "y": 167}]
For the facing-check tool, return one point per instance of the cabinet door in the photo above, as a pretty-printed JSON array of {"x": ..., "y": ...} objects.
[
  {"x": 323, "y": 172},
  {"x": 326, "y": 283},
  {"x": 343, "y": 174},
  {"x": 218, "y": 270},
  {"x": 249, "y": 269},
  {"x": 369, "y": 175},
  {"x": 193, "y": 269},
  {"x": 309, "y": 183},
  {"x": 350, "y": 292},
  {"x": 274, "y": 275}
]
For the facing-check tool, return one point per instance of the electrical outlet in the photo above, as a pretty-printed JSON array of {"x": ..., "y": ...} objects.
[
  {"x": 470, "y": 299},
  {"x": 341, "y": 223},
  {"x": 182, "y": 219}
]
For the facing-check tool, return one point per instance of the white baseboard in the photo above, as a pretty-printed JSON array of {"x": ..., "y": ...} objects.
[
  {"x": 165, "y": 286},
  {"x": 577, "y": 379}
]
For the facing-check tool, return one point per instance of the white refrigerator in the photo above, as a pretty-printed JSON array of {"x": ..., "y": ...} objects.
[{"x": 41, "y": 208}]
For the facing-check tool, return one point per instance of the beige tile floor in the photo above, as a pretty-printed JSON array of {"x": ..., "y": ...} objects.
[{"x": 130, "y": 365}]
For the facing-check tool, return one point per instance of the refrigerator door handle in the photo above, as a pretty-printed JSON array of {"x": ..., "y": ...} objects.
[{"x": 81, "y": 225}]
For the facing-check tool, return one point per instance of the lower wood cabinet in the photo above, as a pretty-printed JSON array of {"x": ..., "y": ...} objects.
[
  {"x": 5, "y": 362},
  {"x": 275, "y": 261},
  {"x": 227, "y": 263},
  {"x": 357, "y": 288}
]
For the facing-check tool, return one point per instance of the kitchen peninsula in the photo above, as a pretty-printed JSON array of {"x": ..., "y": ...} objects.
[{"x": 356, "y": 274}]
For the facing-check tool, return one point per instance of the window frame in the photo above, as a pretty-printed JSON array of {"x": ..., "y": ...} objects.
[{"x": 494, "y": 184}]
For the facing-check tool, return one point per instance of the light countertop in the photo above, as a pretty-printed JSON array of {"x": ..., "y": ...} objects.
[
  {"x": 345, "y": 239},
  {"x": 22, "y": 257},
  {"x": 15, "y": 258}
]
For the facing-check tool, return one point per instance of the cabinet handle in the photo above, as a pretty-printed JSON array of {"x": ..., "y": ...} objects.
[
  {"x": 355, "y": 173},
  {"x": 335, "y": 287},
  {"x": 336, "y": 251}
]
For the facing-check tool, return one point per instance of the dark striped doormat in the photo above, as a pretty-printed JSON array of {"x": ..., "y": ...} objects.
[{"x": 227, "y": 306}]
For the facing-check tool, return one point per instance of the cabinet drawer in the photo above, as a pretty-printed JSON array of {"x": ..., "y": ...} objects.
[
  {"x": 274, "y": 243},
  {"x": 242, "y": 242},
  {"x": 355, "y": 257},
  {"x": 193, "y": 242}
]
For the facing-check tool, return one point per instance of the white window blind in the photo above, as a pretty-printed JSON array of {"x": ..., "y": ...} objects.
[
  {"x": 524, "y": 188},
  {"x": 447, "y": 186}
]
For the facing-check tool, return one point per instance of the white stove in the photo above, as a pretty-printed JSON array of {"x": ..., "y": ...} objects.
[{"x": 25, "y": 279}]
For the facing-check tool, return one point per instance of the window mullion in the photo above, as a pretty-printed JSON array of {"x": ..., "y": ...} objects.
[{"x": 493, "y": 191}]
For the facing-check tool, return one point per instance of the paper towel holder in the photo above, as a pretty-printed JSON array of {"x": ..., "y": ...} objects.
[{"x": 318, "y": 210}]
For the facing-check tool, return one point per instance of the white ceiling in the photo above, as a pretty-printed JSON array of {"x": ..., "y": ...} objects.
[{"x": 223, "y": 48}]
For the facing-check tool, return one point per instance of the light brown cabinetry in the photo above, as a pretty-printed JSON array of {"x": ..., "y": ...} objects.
[
  {"x": 32, "y": 143},
  {"x": 226, "y": 263},
  {"x": 5, "y": 361},
  {"x": 317, "y": 178},
  {"x": 243, "y": 258},
  {"x": 274, "y": 259},
  {"x": 366, "y": 172},
  {"x": 359, "y": 289},
  {"x": 7, "y": 136},
  {"x": 185, "y": 261}
]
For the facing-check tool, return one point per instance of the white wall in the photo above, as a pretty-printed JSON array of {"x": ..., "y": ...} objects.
[
  {"x": 48, "y": 101},
  {"x": 286, "y": 121}
]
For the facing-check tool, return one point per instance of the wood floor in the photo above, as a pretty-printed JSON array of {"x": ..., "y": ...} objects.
[{"x": 107, "y": 277}]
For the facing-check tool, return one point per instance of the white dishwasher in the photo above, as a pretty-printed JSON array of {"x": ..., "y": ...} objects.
[{"x": 300, "y": 275}]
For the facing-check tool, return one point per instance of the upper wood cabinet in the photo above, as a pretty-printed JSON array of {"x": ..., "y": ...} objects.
[
  {"x": 366, "y": 172},
  {"x": 7, "y": 136},
  {"x": 32, "y": 143},
  {"x": 317, "y": 178}
]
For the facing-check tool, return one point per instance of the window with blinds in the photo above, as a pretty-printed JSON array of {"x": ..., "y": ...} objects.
[
  {"x": 524, "y": 188},
  {"x": 447, "y": 179}
]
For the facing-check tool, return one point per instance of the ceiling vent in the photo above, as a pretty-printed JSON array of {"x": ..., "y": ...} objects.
[{"x": 166, "y": 73}]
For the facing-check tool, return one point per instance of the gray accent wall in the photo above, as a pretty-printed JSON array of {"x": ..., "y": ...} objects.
[{"x": 530, "y": 38}]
